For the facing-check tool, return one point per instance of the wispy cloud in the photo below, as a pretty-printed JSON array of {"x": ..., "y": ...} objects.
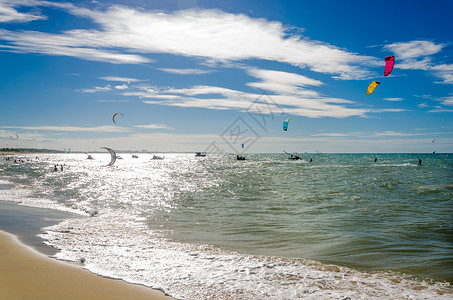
[
  {"x": 104, "y": 128},
  {"x": 97, "y": 89},
  {"x": 70, "y": 44},
  {"x": 122, "y": 32},
  {"x": 229, "y": 99},
  {"x": 291, "y": 91},
  {"x": 440, "y": 109},
  {"x": 388, "y": 110},
  {"x": 8, "y": 13},
  {"x": 282, "y": 82},
  {"x": 445, "y": 72},
  {"x": 120, "y": 79},
  {"x": 363, "y": 134},
  {"x": 185, "y": 71},
  {"x": 423, "y": 105},
  {"x": 414, "y": 49},
  {"x": 332, "y": 134},
  {"x": 111, "y": 100},
  {"x": 418, "y": 55},
  {"x": 204, "y": 90},
  {"x": 394, "y": 133},
  {"x": 447, "y": 101},
  {"x": 154, "y": 126},
  {"x": 393, "y": 99}
]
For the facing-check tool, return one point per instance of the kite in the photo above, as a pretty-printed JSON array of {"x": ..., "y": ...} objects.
[
  {"x": 292, "y": 156},
  {"x": 242, "y": 145},
  {"x": 285, "y": 124},
  {"x": 115, "y": 116},
  {"x": 371, "y": 87},
  {"x": 389, "y": 62},
  {"x": 113, "y": 156},
  {"x": 434, "y": 140}
]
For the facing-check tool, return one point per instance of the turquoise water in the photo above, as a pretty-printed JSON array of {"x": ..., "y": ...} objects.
[
  {"x": 342, "y": 225},
  {"x": 340, "y": 209}
]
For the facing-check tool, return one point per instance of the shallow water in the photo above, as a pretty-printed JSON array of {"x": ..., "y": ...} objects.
[{"x": 268, "y": 227}]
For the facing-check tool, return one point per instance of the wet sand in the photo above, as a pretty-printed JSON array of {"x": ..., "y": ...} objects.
[{"x": 28, "y": 274}]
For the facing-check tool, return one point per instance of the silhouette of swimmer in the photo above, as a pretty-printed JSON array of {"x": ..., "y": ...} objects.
[
  {"x": 375, "y": 159},
  {"x": 419, "y": 162}
]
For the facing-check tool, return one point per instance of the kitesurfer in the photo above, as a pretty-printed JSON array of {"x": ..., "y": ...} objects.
[
  {"x": 419, "y": 161},
  {"x": 311, "y": 159},
  {"x": 375, "y": 159}
]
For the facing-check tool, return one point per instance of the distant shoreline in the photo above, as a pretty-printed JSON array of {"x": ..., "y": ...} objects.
[
  {"x": 16, "y": 151},
  {"x": 27, "y": 151}
]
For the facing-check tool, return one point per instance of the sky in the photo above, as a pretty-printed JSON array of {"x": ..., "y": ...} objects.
[{"x": 222, "y": 76}]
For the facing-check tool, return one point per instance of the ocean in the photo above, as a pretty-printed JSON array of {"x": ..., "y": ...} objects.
[{"x": 268, "y": 227}]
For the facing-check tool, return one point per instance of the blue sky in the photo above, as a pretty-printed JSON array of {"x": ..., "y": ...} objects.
[{"x": 194, "y": 75}]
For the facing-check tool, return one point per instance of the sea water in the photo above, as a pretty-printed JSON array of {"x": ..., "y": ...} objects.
[{"x": 264, "y": 228}]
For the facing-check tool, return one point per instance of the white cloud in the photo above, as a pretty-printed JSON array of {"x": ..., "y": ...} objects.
[
  {"x": 97, "y": 89},
  {"x": 439, "y": 109},
  {"x": 418, "y": 55},
  {"x": 445, "y": 72},
  {"x": 394, "y": 133},
  {"x": 154, "y": 126},
  {"x": 71, "y": 44},
  {"x": 414, "y": 49},
  {"x": 111, "y": 101},
  {"x": 447, "y": 101},
  {"x": 205, "y": 90},
  {"x": 211, "y": 34},
  {"x": 185, "y": 71},
  {"x": 231, "y": 99},
  {"x": 121, "y": 87},
  {"x": 393, "y": 99},
  {"x": 104, "y": 128},
  {"x": 9, "y": 14},
  {"x": 120, "y": 79},
  {"x": 332, "y": 134},
  {"x": 282, "y": 82},
  {"x": 289, "y": 93},
  {"x": 388, "y": 110}
]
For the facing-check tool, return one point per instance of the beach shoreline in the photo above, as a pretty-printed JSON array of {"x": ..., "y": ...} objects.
[{"x": 29, "y": 272}]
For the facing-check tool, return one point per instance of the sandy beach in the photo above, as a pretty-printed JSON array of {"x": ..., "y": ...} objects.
[{"x": 28, "y": 274}]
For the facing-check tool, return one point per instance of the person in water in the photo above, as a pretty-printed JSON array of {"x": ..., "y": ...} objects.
[
  {"x": 375, "y": 159},
  {"x": 311, "y": 159},
  {"x": 55, "y": 168},
  {"x": 419, "y": 161}
]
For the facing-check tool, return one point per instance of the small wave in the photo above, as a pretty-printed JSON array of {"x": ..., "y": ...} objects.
[{"x": 204, "y": 272}]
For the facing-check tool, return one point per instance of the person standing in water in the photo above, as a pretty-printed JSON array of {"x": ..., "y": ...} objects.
[{"x": 419, "y": 161}]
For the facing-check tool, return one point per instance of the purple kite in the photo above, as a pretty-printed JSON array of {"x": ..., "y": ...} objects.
[{"x": 389, "y": 62}]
